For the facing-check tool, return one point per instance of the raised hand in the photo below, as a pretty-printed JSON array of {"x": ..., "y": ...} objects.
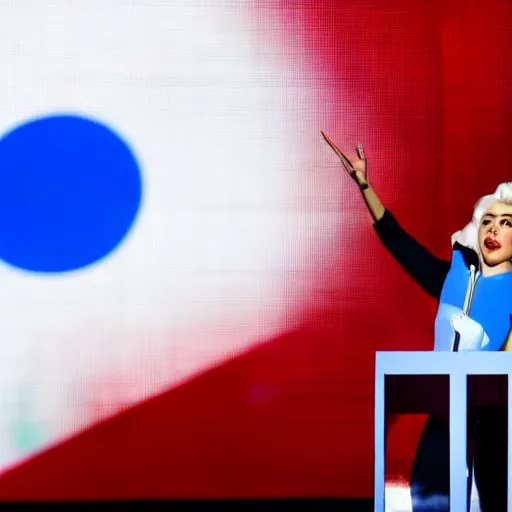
[{"x": 356, "y": 168}]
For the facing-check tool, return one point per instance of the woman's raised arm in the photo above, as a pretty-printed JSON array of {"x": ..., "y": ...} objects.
[{"x": 427, "y": 270}]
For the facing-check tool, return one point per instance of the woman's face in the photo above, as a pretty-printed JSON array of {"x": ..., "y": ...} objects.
[{"x": 495, "y": 235}]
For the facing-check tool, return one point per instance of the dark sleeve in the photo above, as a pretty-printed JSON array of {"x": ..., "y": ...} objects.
[{"x": 427, "y": 270}]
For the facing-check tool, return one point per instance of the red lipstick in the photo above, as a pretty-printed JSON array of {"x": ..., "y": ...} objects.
[{"x": 491, "y": 244}]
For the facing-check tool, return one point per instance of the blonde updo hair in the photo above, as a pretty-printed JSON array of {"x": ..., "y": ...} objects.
[{"x": 469, "y": 235}]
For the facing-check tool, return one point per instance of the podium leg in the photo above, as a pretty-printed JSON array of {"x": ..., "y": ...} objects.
[
  {"x": 379, "y": 444},
  {"x": 509, "y": 444},
  {"x": 458, "y": 442}
]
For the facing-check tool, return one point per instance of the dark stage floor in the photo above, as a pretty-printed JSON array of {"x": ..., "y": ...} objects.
[{"x": 316, "y": 505}]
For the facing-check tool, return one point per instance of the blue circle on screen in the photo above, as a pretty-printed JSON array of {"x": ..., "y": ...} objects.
[{"x": 70, "y": 190}]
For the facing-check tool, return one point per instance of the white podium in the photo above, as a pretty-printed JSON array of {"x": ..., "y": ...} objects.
[{"x": 456, "y": 367}]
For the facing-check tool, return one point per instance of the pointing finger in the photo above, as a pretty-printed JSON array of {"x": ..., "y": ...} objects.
[{"x": 344, "y": 159}]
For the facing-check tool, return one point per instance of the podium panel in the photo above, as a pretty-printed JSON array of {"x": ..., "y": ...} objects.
[{"x": 419, "y": 382}]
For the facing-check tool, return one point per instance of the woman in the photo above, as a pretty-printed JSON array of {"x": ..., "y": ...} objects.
[{"x": 474, "y": 291}]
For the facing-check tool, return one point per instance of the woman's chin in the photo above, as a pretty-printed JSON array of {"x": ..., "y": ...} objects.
[{"x": 494, "y": 259}]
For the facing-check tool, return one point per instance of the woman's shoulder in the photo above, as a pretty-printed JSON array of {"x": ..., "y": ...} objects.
[{"x": 465, "y": 256}]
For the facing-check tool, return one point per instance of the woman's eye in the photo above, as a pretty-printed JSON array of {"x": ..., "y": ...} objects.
[
  {"x": 485, "y": 222},
  {"x": 506, "y": 222}
]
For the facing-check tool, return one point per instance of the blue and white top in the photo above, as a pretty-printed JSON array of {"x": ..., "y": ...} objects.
[{"x": 459, "y": 287}]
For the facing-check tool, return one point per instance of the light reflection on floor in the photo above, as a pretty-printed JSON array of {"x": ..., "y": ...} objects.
[{"x": 398, "y": 499}]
